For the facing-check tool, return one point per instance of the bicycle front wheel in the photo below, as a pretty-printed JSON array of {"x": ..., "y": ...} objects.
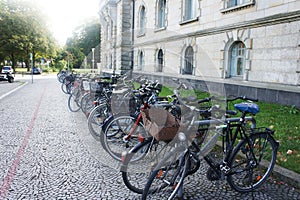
[
  {"x": 96, "y": 119},
  {"x": 73, "y": 103},
  {"x": 250, "y": 170},
  {"x": 135, "y": 173},
  {"x": 120, "y": 135}
]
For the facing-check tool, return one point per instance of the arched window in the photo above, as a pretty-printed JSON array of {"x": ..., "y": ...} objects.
[
  {"x": 161, "y": 13},
  {"x": 160, "y": 61},
  {"x": 107, "y": 31},
  {"x": 237, "y": 59},
  {"x": 142, "y": 20},
  {"x": 188, "y": 61},
  {"x": 111, "y": 62},
  {"x": 189, "y": 9},
  {"x": 106, "y": 62},
  {"x": 141, "y": 60}
]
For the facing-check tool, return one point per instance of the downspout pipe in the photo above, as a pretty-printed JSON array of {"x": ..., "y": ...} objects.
[{"x": 132, "y": 35}]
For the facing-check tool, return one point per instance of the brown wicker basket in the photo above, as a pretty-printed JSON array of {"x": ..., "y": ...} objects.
[{"x": 161, "y": 124}]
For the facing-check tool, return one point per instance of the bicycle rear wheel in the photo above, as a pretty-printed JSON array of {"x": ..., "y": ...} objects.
[{"x": 247, "y": 174}]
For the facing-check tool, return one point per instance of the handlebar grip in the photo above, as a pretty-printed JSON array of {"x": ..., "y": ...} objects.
[
  {"x": 231, "y": 112},
  {"x": 204, "y": 100},
  {"x": 250, "y": 99}
]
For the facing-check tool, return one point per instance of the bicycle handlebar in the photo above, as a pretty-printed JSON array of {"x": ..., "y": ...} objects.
[{"x": 242, "y": 98}]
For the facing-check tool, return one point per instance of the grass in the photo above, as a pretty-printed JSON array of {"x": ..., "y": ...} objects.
[{"x": 284, "y": 120}]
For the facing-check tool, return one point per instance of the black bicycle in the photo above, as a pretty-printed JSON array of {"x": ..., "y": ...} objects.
[{"x": 247, "y": 159}]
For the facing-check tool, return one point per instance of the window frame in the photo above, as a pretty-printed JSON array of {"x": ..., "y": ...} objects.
[
  {"x": 189, "y": 59},
  {"x": 189, "y": 10},
  {"x": 239, "y": 4},
  {"x": 161, "y": 14},
  {"x": 141, "y": 60},
  {"x": 142, "y": 21},
  {"x": 234, "y": 58},
  {"x": 160, "y": 60}
]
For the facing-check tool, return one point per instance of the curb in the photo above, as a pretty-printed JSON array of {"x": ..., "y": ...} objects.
[
  {"x": 282, "y": 174},
  {"x": 287, "y": 176}
]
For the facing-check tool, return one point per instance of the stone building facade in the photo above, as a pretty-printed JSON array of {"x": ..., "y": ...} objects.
[{"x": 243, "y": 43}]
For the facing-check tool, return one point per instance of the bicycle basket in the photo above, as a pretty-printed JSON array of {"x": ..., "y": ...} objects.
[
  {"x": 95, "y": 87},
  {"x": 86, "y": 85},
  {"x": 70, "y": 78},
  {"x": 123, "y": 105},
  {"x": 161, "y": 124}
]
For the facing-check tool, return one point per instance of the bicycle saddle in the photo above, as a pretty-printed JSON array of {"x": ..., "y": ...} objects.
[{"x": 247, "y": 107}]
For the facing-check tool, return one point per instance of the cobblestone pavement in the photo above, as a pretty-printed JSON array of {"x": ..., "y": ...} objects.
[{"x": 47, "y": 153}]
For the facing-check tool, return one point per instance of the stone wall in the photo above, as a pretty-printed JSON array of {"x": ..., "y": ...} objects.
[
  {"x": 264, "y": 93},
  {"x": 269, "y": 30}
]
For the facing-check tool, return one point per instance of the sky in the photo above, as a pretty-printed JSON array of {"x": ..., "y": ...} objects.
[{"x": 65, "y": 15}]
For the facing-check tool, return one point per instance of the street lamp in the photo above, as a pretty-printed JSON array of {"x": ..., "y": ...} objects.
[
  {"x": 85, "y": 63},
  {"x": 93, "y": 58}
]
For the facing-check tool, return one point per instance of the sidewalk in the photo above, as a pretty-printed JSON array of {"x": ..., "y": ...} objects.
[{"x": 80, "y": 152}]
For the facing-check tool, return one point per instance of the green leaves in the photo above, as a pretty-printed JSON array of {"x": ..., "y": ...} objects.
[
  {"x": 23, "y": 31},
  {"x": 85, "y": 37}
]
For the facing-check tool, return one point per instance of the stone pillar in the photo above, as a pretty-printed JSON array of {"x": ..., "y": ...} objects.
[{"x": 298, "y": 72}]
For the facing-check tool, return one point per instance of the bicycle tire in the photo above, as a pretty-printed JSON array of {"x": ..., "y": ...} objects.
[
  {"x": 112, "y": 139},
  {"x": 135, "y": 173},
  {"x": 64, "y": 88},
  {"x": 88, "y": 104},
  {"x": 243, "y": 176},
  {"x": 185, "y": 171},
  {"x": 96, "y": 119},
  {"x": 84, "y": 100},
  {"x": 72, "y": 104},
  {"x": 167, "y": 176}
]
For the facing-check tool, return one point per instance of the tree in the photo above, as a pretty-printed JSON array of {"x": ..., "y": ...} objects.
[
  {"x": 84, "y": 38},
  {"x": 23, "y": 31}
]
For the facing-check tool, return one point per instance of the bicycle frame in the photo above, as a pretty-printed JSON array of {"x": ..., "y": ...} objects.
[{"x": 228, "y": 141}]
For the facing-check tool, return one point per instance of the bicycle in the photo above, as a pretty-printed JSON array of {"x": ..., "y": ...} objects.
[
  {"x": 239, "y": 161},
  {"x": 102, "y": 113},
  {"x": 135, "y": 173},
  {"x": 123, "y": 132}
]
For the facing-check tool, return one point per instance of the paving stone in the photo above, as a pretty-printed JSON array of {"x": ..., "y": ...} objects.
[{"x": 63, "y": 161}]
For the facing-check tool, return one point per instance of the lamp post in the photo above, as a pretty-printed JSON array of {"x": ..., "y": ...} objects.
[
  {"x": 93, "y": 59},
  {"x": 85, "y": 63}
]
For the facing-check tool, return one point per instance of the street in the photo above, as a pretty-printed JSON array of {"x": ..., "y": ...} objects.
[{"x": 47, "y": 152}]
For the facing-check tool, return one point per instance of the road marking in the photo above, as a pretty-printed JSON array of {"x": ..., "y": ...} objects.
[
  {"x": 8, "y": 93},
  {"x": 15, "y": 164}
]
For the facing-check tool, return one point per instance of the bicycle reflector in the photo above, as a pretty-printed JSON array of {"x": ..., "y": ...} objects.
[
  {"x": 124, "y": 153},
  {"x": 141, "y": 138}
]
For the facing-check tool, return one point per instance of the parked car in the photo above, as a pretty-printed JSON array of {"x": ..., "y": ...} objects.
[
  {"x": 37, "y": 70},
  {"x": 9, "y": 77},
  {"x": 6, "y": 69}
]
